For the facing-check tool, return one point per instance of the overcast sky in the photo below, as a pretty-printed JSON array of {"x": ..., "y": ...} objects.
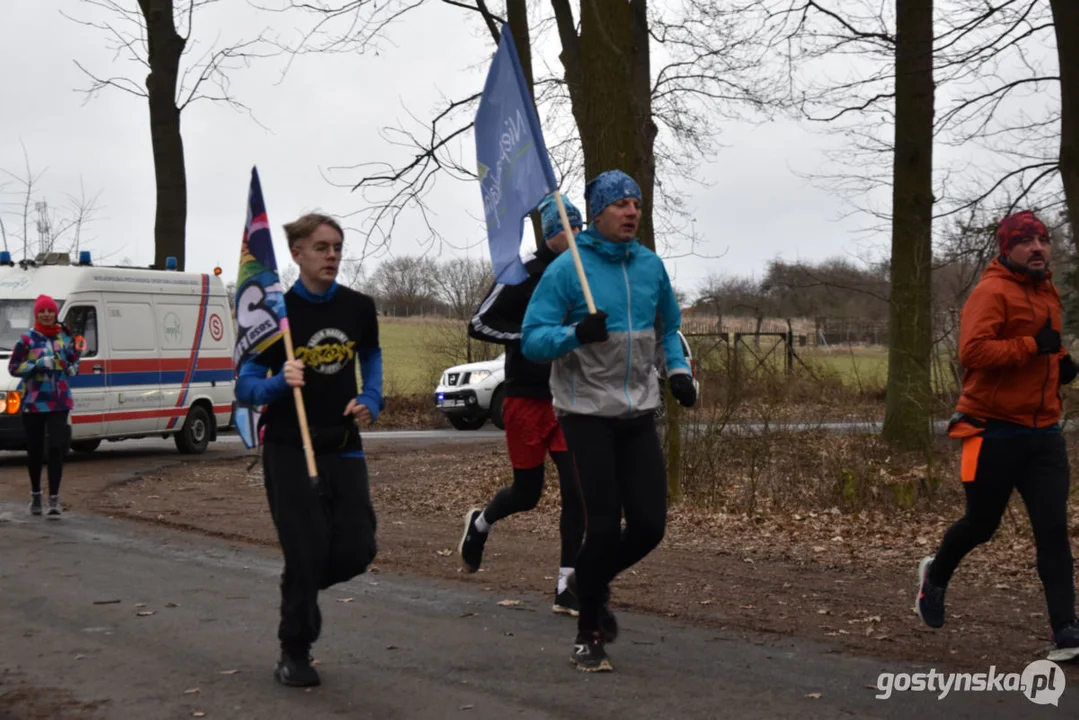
[{"x": 328, "y": 111}]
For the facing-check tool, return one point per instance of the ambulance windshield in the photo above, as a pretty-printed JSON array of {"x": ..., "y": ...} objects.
[{"x": 16, "y": 317}]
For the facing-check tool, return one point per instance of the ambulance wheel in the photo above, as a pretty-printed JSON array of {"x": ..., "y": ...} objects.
[
  {"x": 194, "y": 436},
  {"x": 85, "y": 446}
]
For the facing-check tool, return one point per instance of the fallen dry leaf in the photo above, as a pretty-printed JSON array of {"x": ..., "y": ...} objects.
[
  {"x": 198, "y": 714},
  {"x": 509, "y": 603},
  {"x": 345, "y": 600},
  {"x": 192, "y": 691},
  {"x": 144, "y": 613},
  {"x": 140, "y": 604},
  {"x": 815, "y": 696},
  {"x": 443, "y": 553},
  {"x": 228, "y": 672}
]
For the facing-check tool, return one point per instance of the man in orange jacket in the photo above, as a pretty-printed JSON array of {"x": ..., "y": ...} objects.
[{"x": 1008, "y": 418}]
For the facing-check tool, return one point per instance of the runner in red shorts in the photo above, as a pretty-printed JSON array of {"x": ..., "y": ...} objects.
[{"x": 532, "y": 431}]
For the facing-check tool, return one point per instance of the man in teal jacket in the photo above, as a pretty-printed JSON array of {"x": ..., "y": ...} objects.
[{"x": 605, "y": 392}]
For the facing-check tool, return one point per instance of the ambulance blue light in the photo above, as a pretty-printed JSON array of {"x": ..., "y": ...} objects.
[
  {"x": 84, "y": 257},
  {"x": 170, "y": 263}
]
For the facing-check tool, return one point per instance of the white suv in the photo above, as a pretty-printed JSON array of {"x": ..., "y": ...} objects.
[{"x": 472, "y": 394}]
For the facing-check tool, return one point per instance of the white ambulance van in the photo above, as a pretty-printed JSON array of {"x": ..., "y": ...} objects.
[{"x": 156, "y": 350}]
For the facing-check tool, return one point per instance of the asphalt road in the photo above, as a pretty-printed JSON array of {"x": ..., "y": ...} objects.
[
  {"x": 229, "y": 443},
  {"x": 401, "y": 647}
]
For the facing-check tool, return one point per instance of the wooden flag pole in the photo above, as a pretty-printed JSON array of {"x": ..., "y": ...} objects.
[
  {"x": 573, "y": 249},
  {"x": 301, "y": 413}
]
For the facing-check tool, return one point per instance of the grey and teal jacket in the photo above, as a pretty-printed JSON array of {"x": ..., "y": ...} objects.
[{"x": 616, "y": 378}]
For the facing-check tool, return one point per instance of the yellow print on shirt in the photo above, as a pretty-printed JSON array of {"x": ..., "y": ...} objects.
[{"x": 327, "y": 357}]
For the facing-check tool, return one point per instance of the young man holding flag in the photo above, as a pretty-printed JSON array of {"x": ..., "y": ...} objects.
[
  {"x": 605, "y": 393},
  {"x": 532, "y": 430},
  {"x": 326, "y": 527}
]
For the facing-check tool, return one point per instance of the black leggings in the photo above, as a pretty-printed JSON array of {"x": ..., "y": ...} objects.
[
  {"x": 620, "y": 469},
  {"x": 525, "y": 492},
  {"x": 1037, "y": 465},
  {"x": 327, "y": 533},
  {"x": 47, "y": 437}
]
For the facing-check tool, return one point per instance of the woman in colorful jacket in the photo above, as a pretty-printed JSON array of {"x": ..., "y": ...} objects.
[
  {"x": 44, "y": 357},
  {"x": 605, "y": 392}
]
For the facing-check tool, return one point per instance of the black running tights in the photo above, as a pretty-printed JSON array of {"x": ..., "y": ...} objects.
[
  {"x": 1037, "y": 465},
  {"x": 525, "y": 492},
  {"x": 46, "y": 442},
  {"x": 620, "y": 468}
]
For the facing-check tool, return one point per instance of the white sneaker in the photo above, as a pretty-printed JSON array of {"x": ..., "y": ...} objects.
[{"x": 54, "y": 507}]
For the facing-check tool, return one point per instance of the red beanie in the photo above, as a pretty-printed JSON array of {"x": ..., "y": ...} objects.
[
  {"x": 1017, "y": 227},
  {"x": 44, "y": 302}
]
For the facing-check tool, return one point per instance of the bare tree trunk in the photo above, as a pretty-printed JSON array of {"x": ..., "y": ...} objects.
[
  {"x": 906, "y": 420},
  {"x": 1066, "y": 23},
  {"x": 517, "y": 16},
  {"x": 607, "y": 69},
  {"x": 645, "y": 125},
  {"x": 165, "y": 48}
]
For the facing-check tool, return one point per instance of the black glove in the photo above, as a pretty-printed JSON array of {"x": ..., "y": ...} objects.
[
  {"x": 1048, "y": 339},
  {"x": 1068, "y": 370},
  {"x": 683, "y": 390},
  {"x": 593, "y": 328}
]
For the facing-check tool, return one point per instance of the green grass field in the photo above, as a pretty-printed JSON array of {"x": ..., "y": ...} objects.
[
  {"x": 857, "y": 367},
  {"x": 404, "y": 358},
  {"x": 414, "y": 353}
]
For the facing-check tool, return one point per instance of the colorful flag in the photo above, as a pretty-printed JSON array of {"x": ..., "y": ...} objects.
[
  {"x": 260, "y": 301},
  {"x": 514, "y": 168}
]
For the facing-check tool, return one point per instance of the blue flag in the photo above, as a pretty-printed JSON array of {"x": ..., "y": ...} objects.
[
  {"x": 515, "y": 171},
  {"x": 260, "y": 301}
]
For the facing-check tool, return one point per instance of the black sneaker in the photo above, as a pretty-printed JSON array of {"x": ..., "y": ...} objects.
[
  {"x": 295, "y": 670},
  {"x": 1065, "y": 643},
  {"x": 608, "y": 626},
  {"x": 589, "y": 655},
  {"x": 930, "y": 601},
  {"x": 472, "y": 541},
  {"x": 35, "y": 503},
  {"x": 565, "y": 603}
]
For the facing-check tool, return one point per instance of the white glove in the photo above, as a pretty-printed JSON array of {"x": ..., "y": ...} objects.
[
  {"x": 48, "y": 363},
  {"x": 71, "y": 370}
]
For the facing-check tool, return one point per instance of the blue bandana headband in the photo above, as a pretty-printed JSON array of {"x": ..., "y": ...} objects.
[
  {"x": 610, "y": 187},
  {"x": 552, "y": 223}
]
